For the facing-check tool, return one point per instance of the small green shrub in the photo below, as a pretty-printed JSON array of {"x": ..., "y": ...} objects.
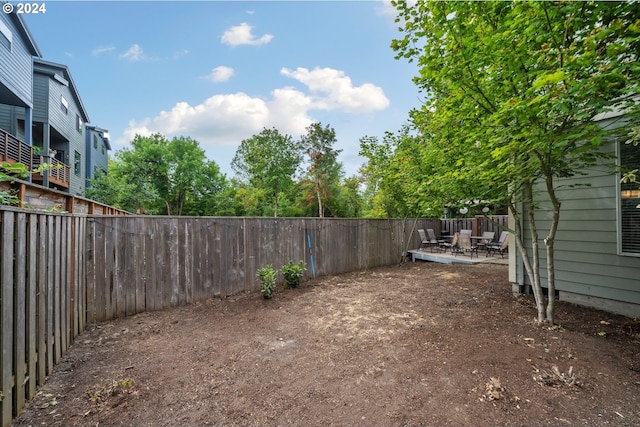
[
  {"x": 267, "y": 277},
  {"x": 293, "y": 273}
]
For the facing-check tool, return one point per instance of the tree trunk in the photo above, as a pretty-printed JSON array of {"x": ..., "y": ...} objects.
[
  {"x": 535, "y": 282},
  {"x": 318, "y": 195},
  {"x": 549, "y": 241},
  {"x": 531, "y": 263},
  {"x": 275, "y": 206}
]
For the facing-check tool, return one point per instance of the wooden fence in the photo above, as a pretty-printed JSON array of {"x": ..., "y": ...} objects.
[
  {"x": 59, "y": 272},
  {"x": 41, "y": 309},
  {"x": 136, "y": 264},
  {"x": 478, "y": 224}
]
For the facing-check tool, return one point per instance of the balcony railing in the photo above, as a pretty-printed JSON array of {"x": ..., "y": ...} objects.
[
  {"x": 13, "y": 150},
  {"x": 59, "y": 173}
]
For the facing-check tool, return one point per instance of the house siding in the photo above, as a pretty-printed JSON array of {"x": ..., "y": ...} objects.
[
  {"x": 40, "y": 98},
  {"x": 6, "y": 119},
  {"x": 588, "y": 267},
  {"x": 16, "y": 64},
  {"x": 96, "y": 156}
]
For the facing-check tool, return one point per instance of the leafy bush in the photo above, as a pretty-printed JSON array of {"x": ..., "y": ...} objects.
[
  {"x": 267, "y": 277},
  {"x": 293, "y": 273}
]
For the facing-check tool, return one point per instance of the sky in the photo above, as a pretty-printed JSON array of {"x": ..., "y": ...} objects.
[{"x": 221, "y": 71}]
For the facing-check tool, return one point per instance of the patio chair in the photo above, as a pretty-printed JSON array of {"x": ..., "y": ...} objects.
[
  {"x": 469, "y": 232},
  {"x": 502, "y": 246},
  {"x": 427, "y": 240},
  {"x": 433, "y": 238},
  {"x": 452, "y": 245},
  {"x": 465, "y": 245},
  {"x": 487, "y": 239}
]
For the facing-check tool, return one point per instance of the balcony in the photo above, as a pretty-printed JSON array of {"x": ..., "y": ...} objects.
[{"x": 12, "y": 150}]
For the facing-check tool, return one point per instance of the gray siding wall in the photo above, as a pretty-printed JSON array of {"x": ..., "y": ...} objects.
[
  {"x": 96, "y": 156},
  {"x": 16, "y": 65},
  {"x": 589, "y": 270},
  {"x": 41, "y": 98},
  {"x": 65, "y": 124},
  {"x": 6, "y": 119},
  {"x": 47, "y": 109}
]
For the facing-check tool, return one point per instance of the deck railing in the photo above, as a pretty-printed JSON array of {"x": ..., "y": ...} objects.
[{"x": 13, "y": 150}]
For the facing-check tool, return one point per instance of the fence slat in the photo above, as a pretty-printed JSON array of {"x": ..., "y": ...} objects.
[
  {"x": 20, "y": 295},
  {"x": 42, "y": 299},
  {"x": 139, "y": 230},
  {"x": 50, "y": 296},
  {"x": 60, "y": 272},
  {"x": 56, "y": 244},
  {"x": 32, "y": 305},
  {"x": 6, "y": 316}
]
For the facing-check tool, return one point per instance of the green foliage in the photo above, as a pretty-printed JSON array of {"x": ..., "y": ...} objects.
[
  {"x": 267, "y": 277},
  {"x": 268, "y": 161},
  {"x": 9, "y": 172},
  {"x": 324, "y": 172},
  {"x": 398, "y": 176},
  {"x": 293, "y": 273},
  {"x": 160, "y": 176},
  {"x": 512, "y": 91}
]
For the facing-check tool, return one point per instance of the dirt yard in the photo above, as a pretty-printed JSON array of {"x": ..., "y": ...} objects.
[{"x": 419, "y": 344}]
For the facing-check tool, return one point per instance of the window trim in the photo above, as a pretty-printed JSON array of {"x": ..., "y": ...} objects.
[
  {"x": 6, "y": 38},
  {"x": 77, "y": 163},
  {"x": 618, "y": 176},
  {"x": 64, "y": 105}
]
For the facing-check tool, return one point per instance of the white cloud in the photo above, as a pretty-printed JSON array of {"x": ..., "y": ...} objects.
[
  {"x": 224, "y": 120},
  {"x": 241, "y": 34},
  {"x": 134, "y": 53},
  {"x": 219, "y": 120},
  {"x": 220, "y": 74},
  {"x": 334, "y": 90},
  {"x": 102, "y": 49}
]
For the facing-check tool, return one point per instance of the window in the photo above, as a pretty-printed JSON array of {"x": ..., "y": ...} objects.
[
  {"x": 76, "y": 163},
  {"x": 64, "y": 105},
  {"x": 78, "y": 123},
  {"x": 6, "y": 37},
  {"x": 95, "y": 141},
  {"x": 630, "y": 201},
  {"x": 103, "y": 148}
]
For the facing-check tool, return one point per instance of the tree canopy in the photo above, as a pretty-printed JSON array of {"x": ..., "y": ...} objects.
[
  {"x": 324, "y": 171},
  {"x": 268, "y": 161},
  {"x": 160, "y": 176},
  {"x": 512, "y": 93}
]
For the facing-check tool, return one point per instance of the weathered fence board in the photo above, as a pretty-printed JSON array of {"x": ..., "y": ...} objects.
[
  {"x": 6, "y": 317},
  {"x": 35, "y": 292},
  {"x": 60, "y": 272}
]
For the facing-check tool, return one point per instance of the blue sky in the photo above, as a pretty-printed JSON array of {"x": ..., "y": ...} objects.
[{"x": 221, "y": 71}]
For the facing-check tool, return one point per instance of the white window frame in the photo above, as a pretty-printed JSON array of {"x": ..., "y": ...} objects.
[
  {"x": 65, "y": 104},
  {"x": 619, "y": 200},
  {"x": 6, "y": 32}
]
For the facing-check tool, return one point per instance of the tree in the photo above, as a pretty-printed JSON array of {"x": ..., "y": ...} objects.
[
  {"x": 115, "y": 189},
  {"x": 161, "y": 176},
  {"x": 268, "y": 161},
  {"x": 513, "y": 89},
  {"x": 398, "y": 174},
  {"x": 323, "y": 169}
]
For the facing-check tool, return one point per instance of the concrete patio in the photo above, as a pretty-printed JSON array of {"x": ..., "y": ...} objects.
[{"x": 448, "y": 258}]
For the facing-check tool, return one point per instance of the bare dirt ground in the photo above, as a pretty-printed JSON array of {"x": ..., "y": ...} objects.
[{"x": 419, "y": 344}]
